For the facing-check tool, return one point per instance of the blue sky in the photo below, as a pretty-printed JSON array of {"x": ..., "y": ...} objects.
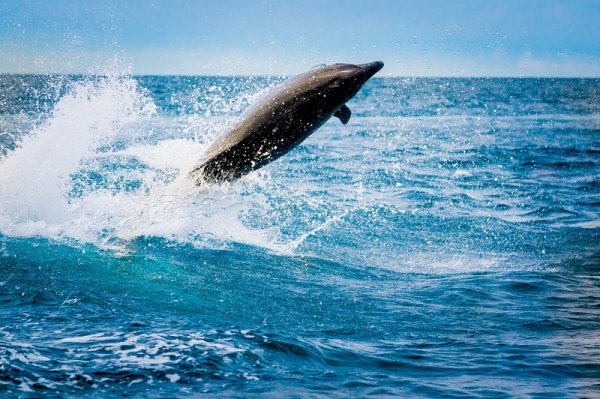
[{"x": 413, "y": 38}]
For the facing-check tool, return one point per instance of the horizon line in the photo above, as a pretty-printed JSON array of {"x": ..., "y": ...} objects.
[{"x": 287, "y": 76}]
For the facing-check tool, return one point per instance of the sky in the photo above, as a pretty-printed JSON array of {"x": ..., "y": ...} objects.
[{"x": 413, "y": 37}]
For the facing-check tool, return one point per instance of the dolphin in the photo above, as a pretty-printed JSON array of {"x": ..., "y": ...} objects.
[{"x": 281, "y": 119}]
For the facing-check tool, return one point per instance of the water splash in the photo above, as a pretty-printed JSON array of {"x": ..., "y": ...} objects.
[
  {"x": 72, "y": 176},
  {"x": 34, "y": 177}
]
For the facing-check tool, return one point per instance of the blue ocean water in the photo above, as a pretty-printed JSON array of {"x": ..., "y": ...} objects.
[{"x": 445, "y": 243}]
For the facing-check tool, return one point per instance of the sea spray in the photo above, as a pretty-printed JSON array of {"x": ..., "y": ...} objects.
[
  {"x": 104, "y": 168},
  {"x": 35, "y": 178}
]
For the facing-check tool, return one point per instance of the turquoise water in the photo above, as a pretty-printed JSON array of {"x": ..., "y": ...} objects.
[{"x": 445, "y": 243}]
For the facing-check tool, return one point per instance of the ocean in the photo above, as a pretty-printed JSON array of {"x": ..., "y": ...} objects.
[{"x": 443, "y": 244}]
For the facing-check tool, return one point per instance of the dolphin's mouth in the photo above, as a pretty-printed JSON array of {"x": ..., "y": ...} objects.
[{"x": 371, "y": 68}]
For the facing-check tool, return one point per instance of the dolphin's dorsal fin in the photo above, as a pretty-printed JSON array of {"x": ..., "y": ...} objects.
[{"x": 343, "y": 113}]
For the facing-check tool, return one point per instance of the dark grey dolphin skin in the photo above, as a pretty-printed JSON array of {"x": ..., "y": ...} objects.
[{"x": 281, "y": 119}]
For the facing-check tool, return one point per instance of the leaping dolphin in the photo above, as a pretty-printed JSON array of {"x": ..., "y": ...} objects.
[{"x": 282, "y": 118}]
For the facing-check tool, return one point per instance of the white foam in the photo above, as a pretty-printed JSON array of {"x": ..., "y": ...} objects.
[
  {"x": 83, "y": 339},
  {"x": 37, "y": 179}
]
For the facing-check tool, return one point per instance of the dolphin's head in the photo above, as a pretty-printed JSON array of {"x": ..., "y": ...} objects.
[
  {"x": 343, "y": 81},
  {"x": 370, "y": 69}
]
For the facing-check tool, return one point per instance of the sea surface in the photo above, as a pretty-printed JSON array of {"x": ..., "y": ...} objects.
[{"x": 443, "y": 244}]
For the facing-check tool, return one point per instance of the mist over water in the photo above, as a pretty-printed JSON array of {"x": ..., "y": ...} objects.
[{"x": 444, "y": 243}]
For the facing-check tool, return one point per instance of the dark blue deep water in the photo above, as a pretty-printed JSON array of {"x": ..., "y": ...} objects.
[{"x": 444, "y": 244}]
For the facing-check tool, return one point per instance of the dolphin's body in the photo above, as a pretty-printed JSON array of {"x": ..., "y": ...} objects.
[{"x": 282, "y": 118}]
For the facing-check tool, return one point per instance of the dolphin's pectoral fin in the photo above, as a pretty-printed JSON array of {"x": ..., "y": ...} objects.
[{"x": 343, "y": 113}]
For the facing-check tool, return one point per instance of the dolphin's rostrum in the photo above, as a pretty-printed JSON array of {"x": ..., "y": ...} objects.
[{"x": 282, "y": 118}]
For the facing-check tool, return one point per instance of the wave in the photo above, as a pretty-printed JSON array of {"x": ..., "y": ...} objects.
[{"x": 108, "y": 162}]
